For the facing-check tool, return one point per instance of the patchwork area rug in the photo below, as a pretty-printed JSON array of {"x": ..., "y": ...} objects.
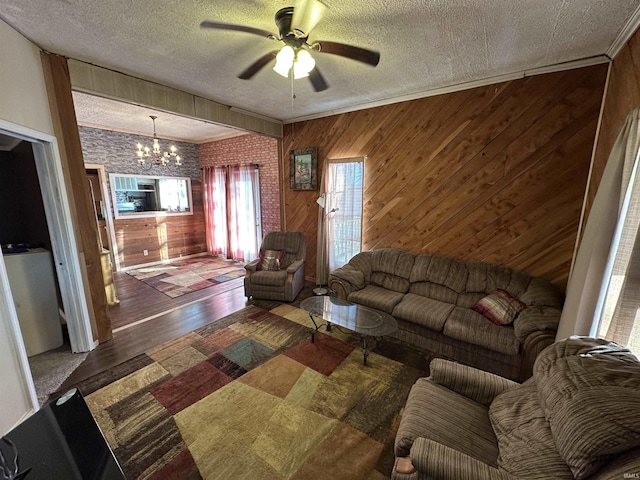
[
  {"x": 250, "y": 397},
  {"x": 186, "y": 276}
]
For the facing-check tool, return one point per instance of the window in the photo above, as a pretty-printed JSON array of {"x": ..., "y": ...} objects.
[
  {"x": 147, "y": 196},
  {"x": 173, "y": 195},
  {"x": 619, "y": 307},
  {"x": 344, "y": 191}
]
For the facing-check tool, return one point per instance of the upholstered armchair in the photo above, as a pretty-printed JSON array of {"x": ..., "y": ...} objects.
[
  {"x": 577, "y": 418},
  {"x": 278, "y": 274}
]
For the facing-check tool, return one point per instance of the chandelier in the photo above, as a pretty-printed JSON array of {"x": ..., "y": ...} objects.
[{"x": 155, "y": 155}]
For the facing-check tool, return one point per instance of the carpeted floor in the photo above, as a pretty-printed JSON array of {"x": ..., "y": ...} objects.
[
  {"x": 250, "y": 397},
  {"x": 50, "y": 369},
  {"x": 185, "y": 276}
]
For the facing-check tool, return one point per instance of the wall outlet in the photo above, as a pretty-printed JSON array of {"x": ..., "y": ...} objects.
[{"x": 145, "y": 252}]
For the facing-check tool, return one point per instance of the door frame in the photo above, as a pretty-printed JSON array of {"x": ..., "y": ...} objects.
[
  {"x": 63, "y": 244},
  {"x": 108, "y": 215}
]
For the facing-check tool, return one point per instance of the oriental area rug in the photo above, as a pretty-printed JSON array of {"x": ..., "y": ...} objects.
[
  {"x": 250, "y": 397},
  {"x": 185, "y": 276}
]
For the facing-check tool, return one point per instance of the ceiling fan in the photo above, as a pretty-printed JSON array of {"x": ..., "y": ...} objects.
[{"x": 294, "y": 25}]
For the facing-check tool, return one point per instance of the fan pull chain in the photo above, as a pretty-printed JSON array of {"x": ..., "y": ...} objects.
[{"x": 293, "y": 92}]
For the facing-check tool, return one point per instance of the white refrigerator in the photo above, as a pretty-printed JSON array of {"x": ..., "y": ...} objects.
[{"x": 33, "y": 288}]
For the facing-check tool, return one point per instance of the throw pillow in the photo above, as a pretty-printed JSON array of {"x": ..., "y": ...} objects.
[
  {"x": 500, "y": 307},
  {"x": 270, "y": 260}
]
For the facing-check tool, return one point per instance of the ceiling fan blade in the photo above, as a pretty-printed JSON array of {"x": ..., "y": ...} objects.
[
  {"x": 258, "y": 65},
  {"x": 370, "y": 57},
  {"x": 317, "y": 80},
  {"x": 306, "y": 15},
  {"x": 237, "y": 28}
]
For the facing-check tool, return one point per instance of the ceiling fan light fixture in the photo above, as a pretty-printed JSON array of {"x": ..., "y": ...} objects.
[
  {"x": 284, "y": 61},
  {"x": 306, "y": 15},
  {"x": 303, "y": 64}
]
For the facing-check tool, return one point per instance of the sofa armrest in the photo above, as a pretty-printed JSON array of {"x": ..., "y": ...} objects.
[
  {"x": 345, "y": 280},
  {"x": 293, "y": 268},
  {"x": 536, "y": 319},
  {"x": 434, "y": 460},
  {"x": 473, "y": 383},
  {"x": 531, "y": 348},
  {"x": 252, "y": 265},
  {"x": 535, "y": 328}
]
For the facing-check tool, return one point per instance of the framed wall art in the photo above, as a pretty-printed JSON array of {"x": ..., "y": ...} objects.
[{"x": 304, "y": 168}]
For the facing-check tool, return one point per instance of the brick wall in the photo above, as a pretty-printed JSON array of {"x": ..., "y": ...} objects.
[{"x": 253, "y": 149}]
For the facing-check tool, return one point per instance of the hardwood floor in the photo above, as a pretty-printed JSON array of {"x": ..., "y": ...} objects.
[
  {"x": 145, "y": 320},
  {"x": 139, "y": 301}
]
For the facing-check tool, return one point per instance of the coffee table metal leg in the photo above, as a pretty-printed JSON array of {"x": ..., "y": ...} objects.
[
  {"x": 365, "y": 351},
  {"x": 313, "y": 330}
]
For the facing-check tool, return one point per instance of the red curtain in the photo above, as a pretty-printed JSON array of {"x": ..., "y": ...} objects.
[{"x": 232, "y": 211}]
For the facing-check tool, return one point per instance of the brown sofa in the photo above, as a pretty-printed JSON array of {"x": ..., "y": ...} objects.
[
  {"x": 432, "y": 297},
  {"x": 578, "y": 417}
]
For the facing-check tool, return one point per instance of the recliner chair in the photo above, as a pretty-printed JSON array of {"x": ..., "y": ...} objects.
[
  {"x": 285, "y": 283},
  {"x": 578, "y": 417}
]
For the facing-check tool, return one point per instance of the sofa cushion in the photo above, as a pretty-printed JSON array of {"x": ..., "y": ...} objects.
[
  {"x": 434, "y": 291},
  {"x": 376, "y": 297},
  {"x": 500, "y": 307},
  {"x": 498, "y": 276},
  {"x": 264, "y": 277},
  {"x": 362, "y": 262},
  {"x": 469, "y": 299},
  {"x": 527, "y": 447},
  {"x": 471, "y": 327},
  {"x": 350, "y": 275},
  {"x": 423, "y": 311},
  {"x": 542, "y": 292},
  {"x": 391, "y": 268},
  {"x": 518, "y": 283},
  {"x": 589, "y": 391},
  {"x": 437, "y": 413},
  {"x": 390, "y": 282},
  {"x": 439, "y": 270}
]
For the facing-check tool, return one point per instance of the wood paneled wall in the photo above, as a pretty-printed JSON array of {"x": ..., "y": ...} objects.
[
  {"x": 622, "y": 96},
  {"x": 166, "y": 237},
  {"x": 494, "y": 174}
]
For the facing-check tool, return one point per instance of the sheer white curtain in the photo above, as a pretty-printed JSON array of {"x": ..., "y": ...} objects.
[
  {"x": 595, "y": 259},
  {"x": 344, "y": 191}
]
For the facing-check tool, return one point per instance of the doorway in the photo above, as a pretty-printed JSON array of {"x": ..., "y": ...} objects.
[
  {"x": 26, "y": 246},
  {"x": 72, "y": 299}
]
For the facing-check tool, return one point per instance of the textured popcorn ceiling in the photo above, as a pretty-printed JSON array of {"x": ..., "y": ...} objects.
[{"x": 425, "y": 45}]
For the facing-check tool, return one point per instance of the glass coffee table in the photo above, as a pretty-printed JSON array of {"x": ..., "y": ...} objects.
[{"x": 365, "y": 321}]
